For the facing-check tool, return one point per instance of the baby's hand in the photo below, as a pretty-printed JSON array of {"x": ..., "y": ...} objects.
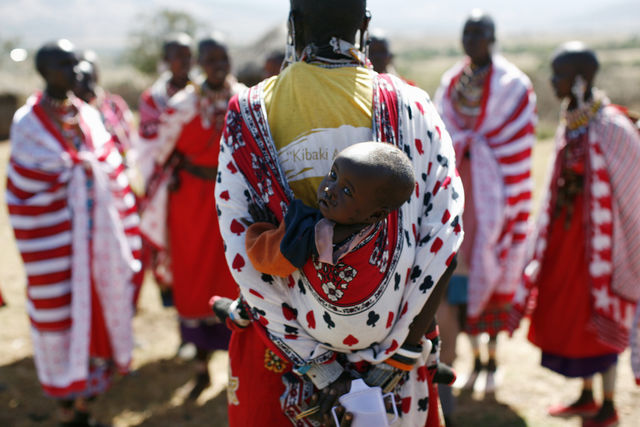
[{"x": 262, "y": 215}]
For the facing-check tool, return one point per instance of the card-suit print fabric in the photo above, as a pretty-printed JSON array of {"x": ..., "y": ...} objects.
[{"x": 414, "y": 246}]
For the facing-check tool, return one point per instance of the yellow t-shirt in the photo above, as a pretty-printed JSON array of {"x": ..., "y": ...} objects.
[{"x": 313, "y": 114}]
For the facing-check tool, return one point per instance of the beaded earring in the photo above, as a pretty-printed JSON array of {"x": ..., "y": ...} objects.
[
  {"x": 364, "y": 35},
  {"x": 290, "y": 55},
  {"x": 578, "y": 90}
]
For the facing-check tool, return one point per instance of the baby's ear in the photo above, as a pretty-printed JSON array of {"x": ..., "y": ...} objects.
[{"x": 379, "y": 215}]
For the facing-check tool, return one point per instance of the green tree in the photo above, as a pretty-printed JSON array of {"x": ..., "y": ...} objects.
[{"x": 145, "y": 43}]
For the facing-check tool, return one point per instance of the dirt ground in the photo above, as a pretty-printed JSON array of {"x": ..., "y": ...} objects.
[{"x": 154, "y": 395}]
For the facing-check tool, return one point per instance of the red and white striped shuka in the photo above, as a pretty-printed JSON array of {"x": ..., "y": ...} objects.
[
  {"x": 72, "y": 251},
  {"x": 500, "y": 146},
  {"x": 613, "y": 230}
]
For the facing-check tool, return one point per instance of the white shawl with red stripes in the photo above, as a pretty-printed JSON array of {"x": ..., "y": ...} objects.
[
  {"x": 613, "y": 230},
  {"x": 47, "y": 196},
  {"x": 500, "y": 148}
]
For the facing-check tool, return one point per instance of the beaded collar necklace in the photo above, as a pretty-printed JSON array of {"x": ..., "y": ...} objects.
[
  {"x": 56, "y": 105},
  {"x": 577, "y": 121},
  {"x": 213, "y": 103},
  {"x": 348, "y": 54},
  {"x": 469, "y": 87}
]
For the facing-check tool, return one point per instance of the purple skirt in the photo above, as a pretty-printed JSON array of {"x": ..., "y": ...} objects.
[
  {"x": 578, "y": 367},
  {"x": 205, "y": 334}
]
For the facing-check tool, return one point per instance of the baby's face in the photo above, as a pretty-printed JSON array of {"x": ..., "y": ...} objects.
[{"x": 348, "y": 194}]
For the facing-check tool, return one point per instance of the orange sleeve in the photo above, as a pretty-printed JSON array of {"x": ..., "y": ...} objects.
[{"x": 262, "y": 242}]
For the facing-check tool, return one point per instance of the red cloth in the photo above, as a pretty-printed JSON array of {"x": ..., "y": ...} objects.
[
  {"x": 249, "y": 360},
  {"x": 560, "y": 322},
  {"x": 200, "y": 145},
  {"x": 1, "y": 300},
  {"x": 99, "y": 345},
  {"x": 199, "y": 267},
  {"x": 118, "y": 120},
  {"x": 433, "y": 412}
]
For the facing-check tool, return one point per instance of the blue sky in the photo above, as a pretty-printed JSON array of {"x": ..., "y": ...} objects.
[{"x": 106, "y": 23}]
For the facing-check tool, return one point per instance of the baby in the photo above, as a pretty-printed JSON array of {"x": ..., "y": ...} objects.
[{"x": 367, "y": 181}]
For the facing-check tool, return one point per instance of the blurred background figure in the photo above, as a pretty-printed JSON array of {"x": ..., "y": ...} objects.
[
  {"x": 489, "y": 108},
  {"x": 582, "y": 279},
  {"x": 116, "y": 115},
  {"x": 117, "y": 119},
  {"x": 176, "y": 58},
  {"x": 380, "y": 52},
  {"x": 273, "y": 63},
  {"x": 186, "y": 154},
  {"x": 75, "y": 222}
]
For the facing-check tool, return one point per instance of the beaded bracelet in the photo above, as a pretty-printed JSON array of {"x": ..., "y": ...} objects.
[
  {"x": 399, "y": 365},
  {"x": 405, "y": 357},
  {"x": 412, "y": 354}
]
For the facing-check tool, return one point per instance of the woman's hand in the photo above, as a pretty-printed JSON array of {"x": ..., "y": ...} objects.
[
  {"x": 327, "y": 398},
  {"x": 345, "y": 418}
]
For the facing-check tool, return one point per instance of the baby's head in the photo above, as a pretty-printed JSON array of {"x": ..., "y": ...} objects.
[{"x": 366, "y": 182}]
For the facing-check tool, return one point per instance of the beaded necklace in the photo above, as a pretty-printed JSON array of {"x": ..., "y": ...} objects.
[
  {"x": 570, "y": 181},
  {"x": 213, "y": 104},
  {"x": 577, "y": 121},
  {"x": 65, "y": 116},
  {"x": 574, "y": 155},
  {"x": 469, "y": 88}
]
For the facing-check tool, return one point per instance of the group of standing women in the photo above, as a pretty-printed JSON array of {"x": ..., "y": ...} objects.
[
  {"x": 575, "y": 275},
  {"x": 77, "y": 220}
]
